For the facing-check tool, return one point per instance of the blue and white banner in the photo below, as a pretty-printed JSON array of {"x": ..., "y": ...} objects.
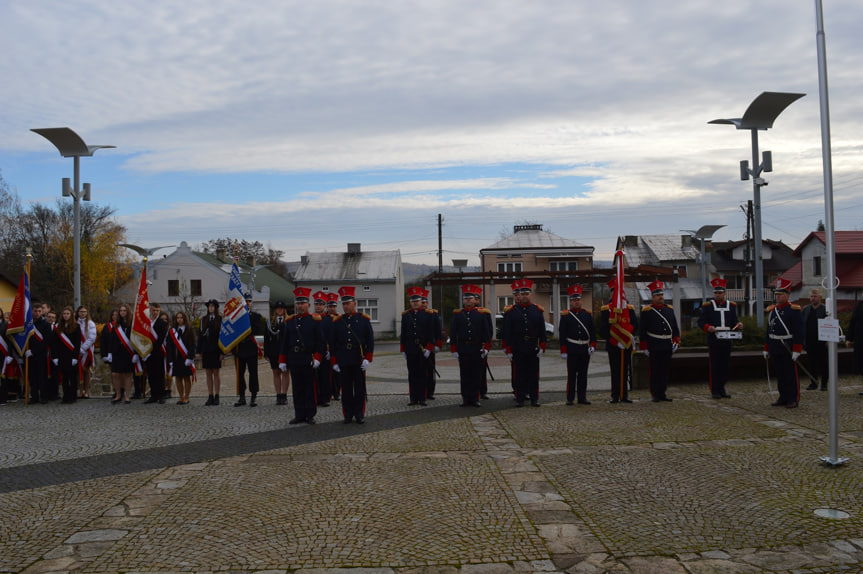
[{"x": 235, "y": 317}]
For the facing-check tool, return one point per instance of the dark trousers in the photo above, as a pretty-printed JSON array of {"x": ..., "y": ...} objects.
[
  {"x": 576, "y": 375},
  {"x": 324, "y": 386},
  {"x": 470, "y": 370},
  {"x": 156, "y": 375},
  {"x": 417, "y": 377},
  {"x": 69, "y": 378},
  {"x": 660, "y": 366},
  {"x": 483, "y": 383},
  {"x": 250, "y": 363},
  {"x": 720, "y": 357},
  {"x": 38, "y": 378},
  {"x": 787, "y": 379},
  {"x": 620, "y": 363},
  {"x": 526, "y": 376},
  {"x": 353, "y": 383},
  {"x": 431, "y": 382},
  {"x": 818, "y": 366},
  {"x": 305, "y": 403}
]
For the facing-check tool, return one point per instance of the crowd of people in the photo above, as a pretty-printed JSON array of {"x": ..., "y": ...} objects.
[{"x": 326, "y": 353}]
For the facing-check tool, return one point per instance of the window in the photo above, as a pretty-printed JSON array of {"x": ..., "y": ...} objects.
[
  {"x": 502, "y": 302},
  {"x": 367, "y": 288},
  {"x": 369, "y": 307},
  {"x": 563, "y": 265},
  {"x": 509, "y": 267},
  {"x": 681, "y": 269},
  {"x": 173, "y": 287},
  {"x": 195, "y": 287},
  {"x": 816, "y": 266}
]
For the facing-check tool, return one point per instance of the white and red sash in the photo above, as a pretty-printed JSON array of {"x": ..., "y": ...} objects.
[
  {"x": 64, "y": 338},
  {"x": 178, "y": 341},
  {"x": 124, "y": 340},
  {"x": 10, "y": 370}
]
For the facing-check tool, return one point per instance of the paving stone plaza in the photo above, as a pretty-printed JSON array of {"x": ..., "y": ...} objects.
[{"x": 693, "y": 486}]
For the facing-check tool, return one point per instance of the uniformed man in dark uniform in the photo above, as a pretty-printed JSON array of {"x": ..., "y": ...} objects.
[
  {"x": 784, "y": 343},
  {"x": 331, "y": 314},
  {"x": 718, "y": 319},
  {"x": 470, "y": 342},
  {"x": 417, "y": 345},
  {"x": 323, "y": 376},
  {"x": 577, "y": 343},
  {"x": 38, "y": 359},
  {"x": 438, "y": 344},
  {"x": 302, "y": 351},
  {"x": 659, "y": 337},
  {"x": 246, "y": 354},
  {"x": 352, "y": 346},
  {"x": 156, "y": 359},
  {"x": 524, "y": 324},
  {"x": 617, "y": 327}
]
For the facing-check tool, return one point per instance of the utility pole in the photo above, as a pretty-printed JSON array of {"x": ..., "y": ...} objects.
[{"x": 440, "y": 259}]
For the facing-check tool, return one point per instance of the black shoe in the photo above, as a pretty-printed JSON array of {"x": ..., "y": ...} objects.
[
  {"x": 655, "y": 399},
  {"x": 534, "y": 403},
  {"x": 216, "y": 401},
  {"x": 310, "y": 420},
  {"x": 151, "y": 400},
  {"x": 431, "y": 398},
  {"x": 465, "y": 404},
  {"x": 570, "y": 403},
  {"x": 324, "y": 405},
  {"x": 414, "y": 403},
  {"x": 475, "y": 404},
  {"x": 347, "y": 420},
  {"x": 423, "y": 404},
  {"x": 781, "y": 403},
  {"x": 253, "y": 402},
  {"x": 823, "y": 387},
  {"x": 812, "y": 387},
  {"x": 791, "y": 405},
  {"x": 240, "y": 402},
  {"x": 726, "y": 396},
  {"x": 626, "y": 401},
  {"x": 295, "y": 421},
  {"x": 584, "y": 402},
  {"x": 209, "y": 402},
  {"x": 485, "y": 397},
  {"x": 667, "y": 400},
  {"x": 716, "y": 396},
  {"x": 519, "y": 403},
  {"x": 161, "y": 401},
  {"x": 613, "y": 401},
  {"x": 118, "y": 398},
  {"x": 361, "y": 420}
]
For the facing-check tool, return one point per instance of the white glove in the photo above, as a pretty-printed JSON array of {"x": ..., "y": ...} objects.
[
  {"x": 74, "y": 362},
  {"x": 404, "y": 355},
  {"x": 109, "y": 358},
  {"x": 563, "y": 356},
  {"x": 795, "y": 355},
  {"x": 136, "y": 359},
  {"x": 28, "y": 353},
  {"x": 674, "y": 347},
  {"x": 646, "y": 353},
  {"x": 426, "y": 353},
  {"x": 437, "y": 349},
  {"x": 315, "y": 363},
  {"x": 539, "y": 353},
  {"x": 336, "y": 368},
  {"x": 283, "y": 367},
  {"x": 483, "y": 353},
  {"x": 8, "y": 360},
  {"x": 327, "y": 356},
  {"x": 509, "y": 356},
  {"x": 621, "y": 346},
  {"x": 591, "y": 350},
  {"x": 189, "y": 362},
  {"x": 55, "y": 361},
  {"x": 364, "y": 365},
  {"x": 765, "y": 353},
  {"x": 455, "y": 354}
]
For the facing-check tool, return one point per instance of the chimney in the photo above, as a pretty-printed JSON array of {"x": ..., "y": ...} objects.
[
  {"x": 630, "y": 241},
  {"x": 685, "y": 241},
  {"x": 222, "y": 254},
  {"x": 304, "y": 259},
  {"x": 353, "y": 248}
]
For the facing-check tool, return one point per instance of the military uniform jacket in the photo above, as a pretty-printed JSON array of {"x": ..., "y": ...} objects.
[
  {"x": 717, "y": 315},
  {"x": 524, "y": 328},
  {"x": 438, "y": 328},
  {"x": 351, "y": 340},
  {"x": 658, "y": 328},
  {"x": 784, "y": 328},
  {"x": 469, "y": 330},
  {"x": 418, "y": 331},
  {"x": 605, "y": 322},
  {"x": 576, "y": 331},
  {"x": 327, "y": 329},
  {"x": 248, "y": 347},
  {"x": 302, "y": 340}
]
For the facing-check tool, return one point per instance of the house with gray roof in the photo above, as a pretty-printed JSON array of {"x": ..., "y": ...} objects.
[{"x": 376, "y": 275}]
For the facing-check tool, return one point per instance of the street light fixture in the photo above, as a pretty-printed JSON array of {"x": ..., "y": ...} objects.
[
  {"x": 704, "y": 234},
  {"x": 760, "y": 115},
  {"x": 70, "y": 144}
]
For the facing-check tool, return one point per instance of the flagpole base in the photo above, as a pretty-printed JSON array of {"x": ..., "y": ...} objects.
[{"x": 834, "y": 462}]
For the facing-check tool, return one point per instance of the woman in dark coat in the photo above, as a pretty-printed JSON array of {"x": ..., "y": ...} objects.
[
  {"x": 273, "y": 347},
  {"x": 211, "y": 353},
  {"x": 123, "y": 357},
  {"x": 181, "y": 355},
  {"x": 66, "y": 352}
]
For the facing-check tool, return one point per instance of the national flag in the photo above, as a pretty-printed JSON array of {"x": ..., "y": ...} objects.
[
  {"x": 142, "y": 337},
  {"x": 21, "y": 316},
  {"x": 620, "y": 326},
  {"x": 236, "y": 324}
]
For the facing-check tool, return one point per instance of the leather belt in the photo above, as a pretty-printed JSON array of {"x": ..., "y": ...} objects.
[
  {"x": 657, "y": 336},
  {"x": 578, "y": 341}
]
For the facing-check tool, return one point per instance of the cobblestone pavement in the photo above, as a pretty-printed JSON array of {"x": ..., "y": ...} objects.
[{"x": 693, "y": 486}]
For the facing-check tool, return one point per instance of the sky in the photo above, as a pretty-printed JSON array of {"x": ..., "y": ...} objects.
[{"x": 309, "y": 125}]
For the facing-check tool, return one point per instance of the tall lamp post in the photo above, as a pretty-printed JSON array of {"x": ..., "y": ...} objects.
[
  {"x": 70, "y": 144},
  {"x": 703, "y": 235},
  {"x": 760, "y": 115}
]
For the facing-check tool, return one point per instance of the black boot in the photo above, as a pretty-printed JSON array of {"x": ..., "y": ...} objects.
[
  {"x": 216, "y": 400},
  {"x": 241, "y": 401},
  {"x": 209, "y": 402},
  {"x": 253, "y": 401}
]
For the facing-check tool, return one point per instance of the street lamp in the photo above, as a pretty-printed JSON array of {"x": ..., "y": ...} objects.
[
  {"x": 70, "y": 144},
  {"x": 704, "y": 233},
  {"x": 760, "y": 115}
]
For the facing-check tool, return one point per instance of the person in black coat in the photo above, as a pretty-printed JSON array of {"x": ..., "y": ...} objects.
[
  {"x": 302, "y": 351},
  {"x": 719, "y": 316},
  {"x": 470, "y": 342},
  {"x": 784, "y": 343},
  {"x": 417, "y": 345},
  {"x": 156, "y": 361},
  {"x": 37, "y": 355},
  {"x": 816, "y": 350},
  {"x": 246, "y": 354},
  {"x": 66, "y": 352},
  {"x": 181, "y": 355},
  {"x": 273, "y": 336},
  {"x": 323, "y": 374},
  {"x": 659, "y": 337},
  {"x": 124, "y": 360},
  {"x": 352, "y": 346},
  {"x": 525, "y": 338},
  {"x": 854, "y": 335},
  {"x": 577, "y": 344},
  {"x": 211, "y": 353}
]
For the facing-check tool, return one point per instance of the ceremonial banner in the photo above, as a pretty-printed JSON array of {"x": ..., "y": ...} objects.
[
  {"x": 620, "y": 326},
  {"x": 142, "y": 332},
  {"x": 235, "y": 317},
  {"x": 21, "y": 315}
]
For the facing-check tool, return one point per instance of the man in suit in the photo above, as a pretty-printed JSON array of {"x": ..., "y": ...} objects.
[
  {"x": 815, "y": 349},
  {"x": 156, "y": 359}
]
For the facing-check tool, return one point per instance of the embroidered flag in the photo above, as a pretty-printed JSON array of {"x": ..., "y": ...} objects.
[
  {"x": 21, "y": 316},
  {"x": 235, "y": 317},
  {"x": 620, "y": 326},
  {"x": 142, "y": 332}
]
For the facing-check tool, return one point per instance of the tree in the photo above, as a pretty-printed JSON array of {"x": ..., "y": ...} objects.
[
  {"x": 249, "y": 252},
  {"x": 820, "y": 226}
]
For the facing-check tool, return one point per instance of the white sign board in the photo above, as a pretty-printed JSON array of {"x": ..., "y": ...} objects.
[{"x": 828, "y": 330}]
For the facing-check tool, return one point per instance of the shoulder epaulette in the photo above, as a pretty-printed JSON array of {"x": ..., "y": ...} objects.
[
  {"x": 644, "y": 309},
  {"x": 507, "y": 309},
  {"x": 733, "y": 303},
  {"x": 484, "y": 311},
  {"x": 290, "y": 317},
  {"x": 630, "y": 306},
  {"x": 457, "y": 311},
  {"x": 430, "y": 311},
  {"x": 337, "y": 318},
  {"x": 316, "y": 317},
  {"x": 670, "y": 307},
  {"x": 769, "y": 309},
  {"x": 366, "y": 316},
  {"x": 565, "y": 312},
  {"x": 706, "y": 304},
  {"x": 796, "y": 307},
  {"x": 435, "y": 311},
  {"x": 406, "y": 311},
  {"x": 604, "y": 308},
  {"x": 540, "y": 308},
  {"x": 588, "y": 311}
]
